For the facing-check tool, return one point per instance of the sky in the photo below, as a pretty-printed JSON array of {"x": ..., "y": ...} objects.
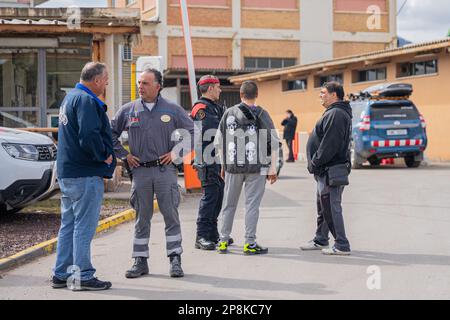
[
  {"x": 419, "y": 20},
  {"x": 423, "y": 20}
]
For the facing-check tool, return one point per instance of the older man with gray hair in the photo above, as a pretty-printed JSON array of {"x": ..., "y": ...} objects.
[
  {"x": 85, "y": 157},
  {"x": 151, "y": 122}
]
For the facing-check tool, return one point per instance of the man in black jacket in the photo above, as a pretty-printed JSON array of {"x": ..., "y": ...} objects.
[
  {"x": 290, "y": 127},
  {"x": 327, "y": 146}
]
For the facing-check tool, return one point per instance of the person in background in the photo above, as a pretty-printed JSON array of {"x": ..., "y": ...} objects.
[{"x": 290, "y": 129}]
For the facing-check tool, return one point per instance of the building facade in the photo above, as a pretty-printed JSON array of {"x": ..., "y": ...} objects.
[
  {"x": 247, "y": 35},
  {"x": 42, "y": 52},
  {"x": 426, "y": 66}
]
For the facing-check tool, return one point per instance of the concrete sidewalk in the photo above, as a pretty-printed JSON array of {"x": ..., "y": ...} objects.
[{"x": 397, "y": 220}]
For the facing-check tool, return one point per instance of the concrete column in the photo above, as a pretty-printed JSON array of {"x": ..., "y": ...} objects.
[
  {"x": 110, "y": 61},
  {"x": 119, "y": 76},
  {"x": 162, "y": 31},
  {"x": 317, "y": 30},
  {"x": 237, "y": 59},
  {"x": 393, "y": 22}
]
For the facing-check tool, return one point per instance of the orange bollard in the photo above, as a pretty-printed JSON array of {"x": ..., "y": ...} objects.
[
  {"x": 191, "y": 180},
  {"x": 295, "y": 146}
]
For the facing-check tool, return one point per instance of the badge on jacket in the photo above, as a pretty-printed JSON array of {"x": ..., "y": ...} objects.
[
  {"x": 165, "y": 118},
  {"x": 201, "y": 114}
]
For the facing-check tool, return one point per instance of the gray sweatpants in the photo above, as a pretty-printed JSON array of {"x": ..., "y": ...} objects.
[
  {"x": 146, "y": 183},
  {"x": 254, "y": 187},
  {"x": 330, "y": 218}
]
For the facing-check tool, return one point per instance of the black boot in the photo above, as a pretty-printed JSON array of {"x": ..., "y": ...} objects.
[
  {"x": 203, "y": 244},
  {"x": 175, "y": 267},
  {"x": 139, "y": 268}
]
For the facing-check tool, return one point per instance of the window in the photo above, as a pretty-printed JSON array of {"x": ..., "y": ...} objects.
[
  {"x": 250, "y": 63},
  {"x": 288, "y": 62},
  {"x": 127, "y": 53},
  {"x": 369, "y": 75},
  {"x": 130, "y": 2},
  {"x": 19, "y": 98},
  {"x": 394, "y": 112},
  {"x": 268, "y": 63},
  {"x": 64, "y": 65},
  {"x": 299, "y": 84},
  {"x": 408, "y": 69},
  {"x": 321, "y": 80}
]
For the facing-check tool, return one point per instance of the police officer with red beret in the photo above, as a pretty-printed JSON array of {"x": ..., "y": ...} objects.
[{"x": 207, "y": 114}]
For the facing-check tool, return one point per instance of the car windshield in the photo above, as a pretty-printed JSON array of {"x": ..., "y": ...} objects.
[{"x": 394, "y": 112}]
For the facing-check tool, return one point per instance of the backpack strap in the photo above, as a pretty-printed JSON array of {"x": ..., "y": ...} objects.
[{"x": 247, "y": 112}]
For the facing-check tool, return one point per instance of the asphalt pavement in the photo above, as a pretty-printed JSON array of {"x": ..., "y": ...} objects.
[{"x": 397, "y": 221}]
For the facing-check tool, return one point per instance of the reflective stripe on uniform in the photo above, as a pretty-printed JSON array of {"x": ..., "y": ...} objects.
[
  {"x": 174, "y": 238},
  {"x": 178, "y": 250},
  {"x": 141, "y": 241},
  {"x": 140, "y": 254}
]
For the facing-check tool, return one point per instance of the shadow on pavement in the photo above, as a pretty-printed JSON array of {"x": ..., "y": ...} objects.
[
  {"x": 363, "y": 258},
  {"x": 261, "y": 285}
]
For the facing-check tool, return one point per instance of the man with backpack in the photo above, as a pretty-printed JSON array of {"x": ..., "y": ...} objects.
[{"x": 248, "y": 148}]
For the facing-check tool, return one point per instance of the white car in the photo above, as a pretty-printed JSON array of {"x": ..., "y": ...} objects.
[{"x": 27, "y": 169}]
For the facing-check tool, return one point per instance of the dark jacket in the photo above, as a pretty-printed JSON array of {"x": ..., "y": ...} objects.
[
  {"x": 209, "y": 114},
  {"x": 329, "y": 142},
  {"x": 290, "y": 127},
  {"x": 84, "y": 137}
]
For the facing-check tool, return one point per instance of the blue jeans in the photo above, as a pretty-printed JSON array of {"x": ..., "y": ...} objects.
[{"x": 81, "y": 202}]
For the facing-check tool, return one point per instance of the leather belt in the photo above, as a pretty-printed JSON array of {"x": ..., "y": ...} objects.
[{"x": 151, "y": 164}]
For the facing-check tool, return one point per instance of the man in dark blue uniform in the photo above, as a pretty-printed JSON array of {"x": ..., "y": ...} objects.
[{"x": 207, "y": 114}]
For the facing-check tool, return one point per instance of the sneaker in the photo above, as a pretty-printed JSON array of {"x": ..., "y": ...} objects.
[
  {"x": 204, "y": 244},
  {"x": 223, "y": 247},
  {"x": 312, "y": 246},
  {"x": 92, "y": 285},
  {"x": 58, "y": 283},
  {"x": 335, "y": 252},
  {"x": 252, "y": 249},
  {"x": 230, "y": 241},
  {"x": 139, "y": 268},
  {"x": 175, "y": 267}
]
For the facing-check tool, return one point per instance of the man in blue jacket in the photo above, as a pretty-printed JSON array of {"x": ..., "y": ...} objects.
[{"x": 85, "y": 157}]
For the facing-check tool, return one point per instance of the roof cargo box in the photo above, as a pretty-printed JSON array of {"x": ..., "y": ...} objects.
[{"x": 390, "y": 90}]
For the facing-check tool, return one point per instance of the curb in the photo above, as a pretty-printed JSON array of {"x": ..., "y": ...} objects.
[{"x": 49, "y": 247}]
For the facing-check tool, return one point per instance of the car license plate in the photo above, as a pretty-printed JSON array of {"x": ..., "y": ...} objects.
[{"x": 402, "y": 132}]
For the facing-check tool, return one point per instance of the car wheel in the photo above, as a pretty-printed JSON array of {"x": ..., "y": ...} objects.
[
  {"x": 411, "y": 162},
  {"x": 375, "y": 162}
]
